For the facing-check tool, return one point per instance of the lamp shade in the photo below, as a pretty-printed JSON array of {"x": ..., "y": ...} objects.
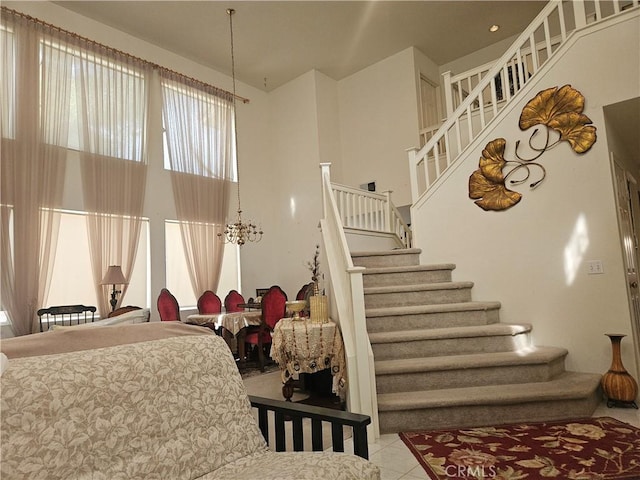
[{"x": 114, "y": 276}]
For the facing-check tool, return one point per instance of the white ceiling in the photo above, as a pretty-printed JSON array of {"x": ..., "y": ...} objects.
[{"x": 280, "y": 40}]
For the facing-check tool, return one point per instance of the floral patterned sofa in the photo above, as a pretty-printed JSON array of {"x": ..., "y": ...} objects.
[{"x": 140, "y": 401}]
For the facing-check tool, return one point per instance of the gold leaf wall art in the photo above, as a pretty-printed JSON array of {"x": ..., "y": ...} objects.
[
  {"x": 560, "y": 110},
  {"x": 487, "y": 183}
]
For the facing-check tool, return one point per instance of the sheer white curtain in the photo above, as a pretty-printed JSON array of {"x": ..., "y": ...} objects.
[
  {"x": 199, "y": 143},
  {"x": 112, "y": 100},
  {"x": 35, "y": 94}
]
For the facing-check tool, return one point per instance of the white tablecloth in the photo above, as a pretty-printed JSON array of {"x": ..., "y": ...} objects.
[{"x": 233, "y": 322}]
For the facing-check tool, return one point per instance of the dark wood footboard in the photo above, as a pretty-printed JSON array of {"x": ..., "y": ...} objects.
[{"x": 296, "y": 412}]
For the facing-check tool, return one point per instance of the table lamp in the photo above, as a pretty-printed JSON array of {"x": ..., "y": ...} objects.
[{"x": 114, "y": 277}]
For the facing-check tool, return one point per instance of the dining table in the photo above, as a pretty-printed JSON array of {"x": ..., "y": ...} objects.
[
  {"x": 251, "y": 305},
  {"x": 232, "y": 323}
]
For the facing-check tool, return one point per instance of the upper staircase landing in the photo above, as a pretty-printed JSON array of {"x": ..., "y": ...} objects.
[{"x": 476, "y": 98}]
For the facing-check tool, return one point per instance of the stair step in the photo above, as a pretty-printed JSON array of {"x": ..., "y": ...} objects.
[
  {"x": 407, "y": 275},
  {"x": 387, "y": 258},
  {"x": 443, "y": 360},
  {"x": 533, "y": 364},
  {"x": 432, "y": 316},
  {"x": 568, "y": 395},
  {"x": 427, "y": 293},
  {"x": 497, "y": 337}
]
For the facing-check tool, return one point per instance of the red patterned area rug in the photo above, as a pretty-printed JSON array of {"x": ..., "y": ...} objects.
[{"x": 587, "y": 449}]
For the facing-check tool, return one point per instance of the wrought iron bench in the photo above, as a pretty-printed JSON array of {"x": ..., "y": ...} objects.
[{"x": 65, "y": 315}]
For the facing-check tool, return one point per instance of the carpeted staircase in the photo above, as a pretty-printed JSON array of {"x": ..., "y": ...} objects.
[{"x": 443, "y": 360}]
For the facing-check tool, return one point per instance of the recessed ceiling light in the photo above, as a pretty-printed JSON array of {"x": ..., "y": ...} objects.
[{"x": 494, "y": 28}]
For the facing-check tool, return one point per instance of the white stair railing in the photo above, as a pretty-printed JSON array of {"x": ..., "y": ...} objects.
[
  {"x": 347, "y": 302},
  {"x": 364, "y": 210},
  {"x": 481, "y": 94}
]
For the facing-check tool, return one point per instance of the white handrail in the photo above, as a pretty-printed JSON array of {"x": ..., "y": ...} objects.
[
  {"x": 347, "y": 296},
  {"x": 371, "y": 211},
  {"x": 465, "y": 82},
  {"x": 481, "y": 105}
]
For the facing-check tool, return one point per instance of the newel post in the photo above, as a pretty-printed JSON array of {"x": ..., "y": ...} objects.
[
  {"x": 325, "y": 175},
  {"x": 388, "y": 212},
  {"x": 579, "y": 13},
  {"x": 413, "y": 173},
  {"x": 448, "y": 93}
]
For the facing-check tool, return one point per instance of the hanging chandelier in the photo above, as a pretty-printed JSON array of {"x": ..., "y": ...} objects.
[{"x": 238, "y": 232}]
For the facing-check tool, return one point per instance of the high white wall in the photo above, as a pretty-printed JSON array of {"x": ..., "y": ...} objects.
[
  {"x": 523, "y": 256},
  {"x": 328, "y": 108},
  {"x": 286, "y": 190},
  {"x": 378, "y": 121}
]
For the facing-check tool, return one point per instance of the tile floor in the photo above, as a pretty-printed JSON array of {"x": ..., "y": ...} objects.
[{"x": 389, "y": 452}]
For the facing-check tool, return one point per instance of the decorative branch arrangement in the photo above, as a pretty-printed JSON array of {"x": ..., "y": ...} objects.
[
  {"x": 559, "y": 109},
  {"x": 316, "y": 274},
  {"x": 314, "y": 266}
]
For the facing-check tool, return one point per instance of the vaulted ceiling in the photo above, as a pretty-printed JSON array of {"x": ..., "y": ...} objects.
[{"x": 276, "y": 41}]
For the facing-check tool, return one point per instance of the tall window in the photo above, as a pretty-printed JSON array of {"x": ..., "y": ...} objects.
[
  {"x": 200, "y": 151},
  {"x": 112, "y": 112},
  {"x": 35, "y": 120}
]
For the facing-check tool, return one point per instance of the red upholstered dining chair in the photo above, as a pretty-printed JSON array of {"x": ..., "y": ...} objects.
[
  {"x": 168, "y": 307},
  {"x": 209, "y": 303},
  {"x": 303, "y": 294},
  {"x": 273, "y": 309},
  {"x": 305, "y": 291},
  {"x": 232, "y": 302}
]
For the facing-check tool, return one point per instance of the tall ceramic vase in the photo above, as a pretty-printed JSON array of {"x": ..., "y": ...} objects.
[{"x": 620, "y": 388}]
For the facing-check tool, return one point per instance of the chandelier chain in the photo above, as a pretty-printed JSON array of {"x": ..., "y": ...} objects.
[
  {"x": 238, "y": 232},
  {"x": 230, "y": 12}
]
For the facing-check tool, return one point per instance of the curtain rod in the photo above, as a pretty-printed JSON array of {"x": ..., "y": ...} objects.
[{"x": 120, "y": 52}]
